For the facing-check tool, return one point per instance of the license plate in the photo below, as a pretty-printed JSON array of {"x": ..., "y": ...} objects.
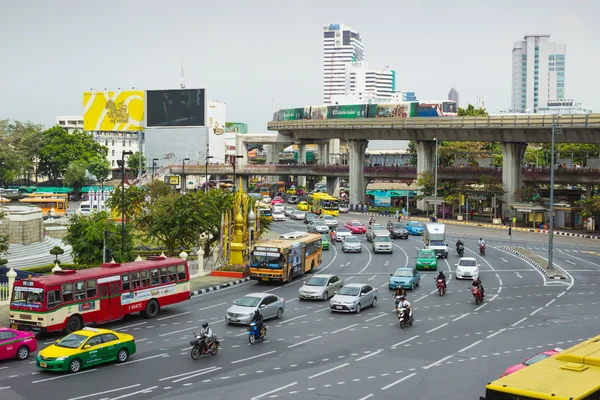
[
  {"x": 43, "y": 365},
  {"x": 13, "y": 326},
  {"x": 233, "y": 319},
  {"x": 265, "y": 279},
  {"x": 467, "y": 274},
  {"x": 338, "y": 307}
]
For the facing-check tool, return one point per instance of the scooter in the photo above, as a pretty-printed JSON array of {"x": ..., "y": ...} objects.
[
  {"x": 201, "y": 347},
  {"x": 402, "y": 319},
  {"x": 440, "y": 287},
  {"x": 460, "y": 250},
  {"x": 477, "y": 294},
  {"x": 482, "y": 249},
  {"x": 254, "y": 334}
]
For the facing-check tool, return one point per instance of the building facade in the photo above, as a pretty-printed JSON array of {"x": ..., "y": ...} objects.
[
  {"x": 563, "y": 107},
  {"x": 538, "y": 72},
  {"x": 361, "y": 81},
  {"x": 70, "y": 122},
  {"x": 454, "y": 96}
]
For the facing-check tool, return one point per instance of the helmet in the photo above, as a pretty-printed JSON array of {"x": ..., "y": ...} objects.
[
  {"x": 256, "y": 311},
  {"x": 480, "y": 238},
  {"x": 204, "y": 325},
  {"x": 403, "y": 297}
]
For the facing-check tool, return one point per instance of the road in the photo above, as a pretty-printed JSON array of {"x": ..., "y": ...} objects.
[{"x": 453, "y": 349}]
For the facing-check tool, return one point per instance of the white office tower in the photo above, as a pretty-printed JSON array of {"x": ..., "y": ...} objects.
[{"x": 538, "y": 72}]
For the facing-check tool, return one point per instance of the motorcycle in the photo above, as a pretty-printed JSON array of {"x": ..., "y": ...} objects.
[
  {"x": 482, "y": 249},
  {"x": 201, "y": 346},
  {"x": 440, "y": 287},
  {"x": 254, "y": 334},
  {"x": 477, "y": 294},
  {"x": 402, "y": 319},
  {"x": 460, "y": 250}
]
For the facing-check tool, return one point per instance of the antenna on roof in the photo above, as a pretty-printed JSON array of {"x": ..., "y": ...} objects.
[{"x": 182, "y": 83}]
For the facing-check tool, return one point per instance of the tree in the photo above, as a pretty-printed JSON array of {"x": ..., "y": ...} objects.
[
  {"x": 60, "y": 148},
  {"x": 135, "y": 198},
  {"x": 133, "y": 163},
  {"x": 57, "y": 251},
  {"x": 4, "y": 243},
  {"x": 158, "y": 189},
  {"x": 100, "y": 168},
  {"x": 527, "y": 194},
  {"x": 23, "y": 143},
  {"x": 578, "y": 152},
  {"x": 591, "y": 207},
  {"x": 471, "y": 111},
  {"x": 75, "y": 176},
  {"x": 86, "y": 237},
  {"x": 426, "y": 182}
]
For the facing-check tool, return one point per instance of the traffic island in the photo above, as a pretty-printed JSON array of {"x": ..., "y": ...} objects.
[{"x": 537, "y": 261}]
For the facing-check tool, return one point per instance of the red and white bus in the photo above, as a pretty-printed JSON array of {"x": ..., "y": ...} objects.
[{"x": 68, "y": 299}]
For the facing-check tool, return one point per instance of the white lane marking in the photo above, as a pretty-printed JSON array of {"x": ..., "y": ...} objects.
[
  {"x": 495, "y": 333},
  {"x": 106, "y": 391},
  {"x": 64, "y": 376},
  {"x": 405, "y": 341},
  {"x": 437, "y": 362},
  {"x": 54, "y": 341},
  {"x": 449, "y": 269},
  {"x": 405, "y": 256},
  {"x": 181, "y": 330},
  {"x": 215, "y": 305},
  {"x": 343, "y": 329},
  {"x": 222, "y": 290},
  {"x": 369, "y": 355},
  {"x": 422, "y": 297},
  {"x": 367, "y": 397},
  {"x": 499, "y": 281},
  {"x": 480, "y": 307},
  {"x": 484, "y": 260},
  {"x": 462, "y": 316},
  {"x": 291, "y": 319},
  {"x": 294, "y": 282},
  {"x": 5, "y": 387},
  {"x": 253, "y": 357},
  {"x": 379, "y": 316},
  {"x": 186, "y": 373},
  {"x": 328, "y": 370},
  {"x": 528, "y": 263},
  {"x": 536, "y": 311},
  {"x": 398, "y": 381},
  {"x": 550, "y": 302},
  {"x": 147, "y": 390},
  {"x": 330, "y": 262},
  {"x": 140, "y": 340},
  {"x": 435, "y": 329},
  {"x": 121, "y": 327},
  {"x": 274, "y": 390},
  {"x": 570, "y": 262},
  {"x": 519, "y": 321},
  {"x": 469, "y": 346},
  {"x": 519, "y": 275},
  {"x": 143, "y": 359},
  {"x": 494, "y": 296},
  {"x": 305, "y": 341},
  {"x": 371, "y": 278},
  {"x": 198, "y": 374},
  {"x": 174, "y": 315},
  {"x": 322, "y": 309},
  {"x": 504, "y": 259}
]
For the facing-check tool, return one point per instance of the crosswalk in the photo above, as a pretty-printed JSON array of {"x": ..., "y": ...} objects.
[{"x": 572, "y": 251}]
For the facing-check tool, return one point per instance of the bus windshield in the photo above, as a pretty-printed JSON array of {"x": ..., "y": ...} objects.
[
  {"x": 265, "y": 259},
  {"x": 265, "y": 211},
  {"x": 28, "y": 297}
]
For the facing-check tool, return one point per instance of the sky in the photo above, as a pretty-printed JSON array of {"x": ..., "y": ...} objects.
[{"x": 259, "y": 56}]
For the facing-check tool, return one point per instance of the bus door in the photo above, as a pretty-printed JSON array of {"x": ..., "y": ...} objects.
[{"x": 110, "y": 299}]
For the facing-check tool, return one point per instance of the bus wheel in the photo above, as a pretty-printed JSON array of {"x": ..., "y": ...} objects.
[
  {"x": 291, "y": 276},
  {"x": 151, "y": 310},
  {"x": 74, "y": 323},
  {"x": 312, "y": 266}
]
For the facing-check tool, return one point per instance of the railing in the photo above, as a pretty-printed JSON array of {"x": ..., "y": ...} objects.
[
  {"x": 4, "y": 293},
  {"x": 500, "y": 121}
]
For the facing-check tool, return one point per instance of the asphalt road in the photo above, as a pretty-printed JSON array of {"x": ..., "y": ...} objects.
[{"x": 453, "y": 349}]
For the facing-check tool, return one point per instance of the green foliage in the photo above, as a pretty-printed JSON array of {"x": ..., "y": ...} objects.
[
  {"x": 412, "y": 150},
  {"x": 75, "y": 176},
  {"x": 45, "y": 269},
  {"x": 591, "y": 207},
  {"x": 133, "y": 163},
  {"x": 471, "y": 111},
  {"x": 4, "y": 243},
  {"x": 57, "y": 251},
  {"x": 235, "y": 268},
  {"x": 527, "y": 194},
  {"x": 158, "y": 189},
  {"x": 135, "y": 197},
  {"x": 426, "y": 182},
  {"x": 100, "y": 168},
  {"x": 577, "y": 151},
  {"x": 86, "y": 237}
]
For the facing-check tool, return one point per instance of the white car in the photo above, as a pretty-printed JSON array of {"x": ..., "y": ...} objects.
[
  {"x": 467, "y": 268},
  {"x": 278, "y": 216},
  {"x": 289, "y": 211},
  {"x": 266, "y": 199},
  {"x": 298, "y": 215},
  {"x": 278, "y": 207},
  {"x": 342, "y": 233}
]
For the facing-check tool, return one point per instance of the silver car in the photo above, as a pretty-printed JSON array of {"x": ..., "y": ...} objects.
[
  {"x": 289, "y": 211},
  {"x": 329, "y": 221},
  {"x": 317, "y": 226},
  {"x": 342, "y": 233},
  {"x": 352, "y": 244},
  {"x": 242, "y": 310},
  {"x": 353, "y": 298},
  {"x": 320, "y": 286},
  {"x": 382, "y": 243},
  {"x": 298, "y": 215}
]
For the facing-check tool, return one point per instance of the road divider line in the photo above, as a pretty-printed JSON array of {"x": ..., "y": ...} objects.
[
  {"x": 181, "y": 330},
  {"x": 186, "y": 373},
  {"x": 379, "y": 316},
  {"x": 5, "y": 387},
  {"x": 462, "y": 316},
  {"x": 198, "y": 374},
  {"x": 438, "y": 362},
  {"x": 496, "y": 295},
  {"x": 369, "y": 355},
  {"x": 398, "y": 381},
  {"x": 274, "y": 391},
  {"x": 436, "y": 328},
  {"x": 140, "y": 340},
  {"x": 480, "y": 307},
  {"x": 213, "y": 306},
  {"x": 147, "y": 390},
  {"x": 536, "y": 311},
  {"x": 469, "y": 346},
  {"x": 422, "y": 297},
  {"x": 305, "y": 341},
  {"x": 143, "y": 359},
  {"x": 550, "y": 302},
  {"x": 343, "y": 329},
  {"x": 128, "y": 326},
  {"x": 175, "y": 315},
  {"x": 519, "y": 321},
  {"x": 253, "y": 357},
  {"x": 65, "y": 376},
  {"x": 367, "y": 397},
  {"x": 404, "y": 341},
  {"x": 291, "y": 319},
  {"x": 495, "y": 333},
  {"x": 328, "y": 370},
  {"x": 322, "y": 309},
  {"x": 105, "y": 392}
]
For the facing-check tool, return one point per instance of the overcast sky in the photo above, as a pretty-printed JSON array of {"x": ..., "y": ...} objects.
[{"x": 258, "y": 56}]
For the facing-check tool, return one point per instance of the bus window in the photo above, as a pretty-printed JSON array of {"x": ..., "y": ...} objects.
[
  {"x": 154, "y": 274},
  {"x": 91, "y": 288},
  {"x": 145, "y": 278},
  {"x": 125, "y": 280},
  {"x": 172, "y": 274},
  {"x": 163, "y": 275},
  {"x": 53, "y": 298},
  {"x": 67, "y": 292},
  {"x": 135, "y": 280},
  {"x": 79, "y": 291},
  {"x": 181, "y": 272}
]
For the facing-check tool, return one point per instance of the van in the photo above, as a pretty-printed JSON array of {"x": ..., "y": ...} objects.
[
  {"x": 382, "y": 243},
  {"x": 434, "y": 237}
]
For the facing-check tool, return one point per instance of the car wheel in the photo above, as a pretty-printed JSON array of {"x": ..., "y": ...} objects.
[
  {"x": 279, "y": 313},
  {"x": 23, "y": 353},
  {"x": 325, "y": 296},
  {"x": 418, "y": 282},
  {"x": 374, "y": 302},
  {"x": 75, "y": 365},
  {"x": 123, "y": 355},
  {"x": 412, "y": 287},
  {"x": 358, "y": 308}
]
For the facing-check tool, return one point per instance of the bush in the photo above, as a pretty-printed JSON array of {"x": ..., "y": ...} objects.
[
  {"x": 45, "y": 269},
  {"x": 234, "y": 268},
  {"x": 148, "y": 253}
]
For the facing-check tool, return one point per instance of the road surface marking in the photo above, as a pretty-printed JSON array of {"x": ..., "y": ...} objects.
[
  {"x": 175, "y": 315},
  {"x": 369, "y": 355},
  {"x": 143, "y": 359},
  {"x": 398, "y": 381},
  {"x": 519, "y": 321},
  {"x": 462, "y": 316},
  {"x": 197, "y": 374},
  {"x": 186, "y": 373},
  {"x": 147, "y": 390},
  {"x": 469, "y": 346},
  {"x": 495, "y": 333},
  {"x": 379, "y": 316},
  {"x": 343, "y": 329},
  {"x": 215, "y": 305},
  {"x": 328, "y": 370},
  {"x": 435, "y": 329},
  {"x": 64, "y": 376},
  {"x": 181, "y": 330},
  {"x": 519, "y": 275},
  {"x": 405, "y": 341},
  {"x": 253, "y": 357},
  {"x": 305, "y": 341},
  {"x": 106, "y": 391},
  {"x": 367, "y": 397},
  {"x": 536, "y": 311},
  {"x": 274, "y": 391},
  {"x": 288, "y": 320},
  {"x": 122, "y": 327}
]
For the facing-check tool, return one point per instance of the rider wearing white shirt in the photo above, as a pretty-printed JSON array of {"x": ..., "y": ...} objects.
[
  {"x": 481, "y": 242},
  {"x": 406, "y": 305}
]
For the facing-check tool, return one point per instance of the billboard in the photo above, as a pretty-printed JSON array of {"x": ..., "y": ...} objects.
[
  {"x": 180, "y": 107},
  {"x": 347, "y": 111},
  {"x": 121, "y": 110},
  {"x": 216, "y": 116},
  {"x": 236, "y": 127}
]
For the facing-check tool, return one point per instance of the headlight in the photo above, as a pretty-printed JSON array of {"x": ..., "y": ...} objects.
[{"x": 61, "y": 358}]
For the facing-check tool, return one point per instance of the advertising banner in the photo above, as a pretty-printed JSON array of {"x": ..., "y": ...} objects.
[
  {"x": 296, "y": 258},
  {"x": 180, "y": 107},
  {"x": 347, "y": 111},
  {"x": 132, "y": 297},
  {"x": 318, "y": 112},
  {"x": 216, "y": 117},
  {"x": 291, "y": 114},
  {"x": 115, "y": 111},
  {"x": 236, "y": 127}
]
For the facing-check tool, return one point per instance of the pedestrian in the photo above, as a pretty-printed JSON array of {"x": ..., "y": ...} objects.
[{"x": 397, "y": 213}]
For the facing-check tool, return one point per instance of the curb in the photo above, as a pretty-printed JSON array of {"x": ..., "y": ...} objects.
[
  {"x": 538, "y": 266},
  {"x": 446, "y": 221},
  {"x": 217, "y": 287}
]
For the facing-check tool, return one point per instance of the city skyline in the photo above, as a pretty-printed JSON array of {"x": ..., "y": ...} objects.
[{"x": 257, "y": 69}]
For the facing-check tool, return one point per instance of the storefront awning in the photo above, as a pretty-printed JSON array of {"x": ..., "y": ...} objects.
[{"x": 527, "y": 207}]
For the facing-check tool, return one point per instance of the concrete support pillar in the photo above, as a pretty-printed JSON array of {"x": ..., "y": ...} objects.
[
  {"x": 512, "y": 180},
  {"x": 323, "y": 153},
  {"x": 241, "y": 148},
  {"x": 358, "y": 183},
  {"x": 333, "y": 186},
  {"x": 273, "y": 151},
  {"x": 425, "y": 162},
  {"x": 589, "y": 191},
  {"x": 243, "y": 181},
  {"x": 334, "y": 151},
  {"x": 301, "y": 160}
]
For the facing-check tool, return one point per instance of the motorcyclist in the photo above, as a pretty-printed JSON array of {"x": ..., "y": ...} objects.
[
  {"x": 332, "y": 234},
  {"x": 459, "y": 243},
  {"x": 481, "y": 242},
  {"x": 406, "y": 305},
  {"x": 442, "y": 277},
  {"x": 206, "y": 333},
  {"x": 371, "y": 221},
  {"x": 400, "y": 292},
  {"x": 477, "y": 283},
  {"x": 258, "y": 318}
]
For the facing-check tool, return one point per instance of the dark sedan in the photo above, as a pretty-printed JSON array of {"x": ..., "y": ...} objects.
[{"x": 397, "y": 230}]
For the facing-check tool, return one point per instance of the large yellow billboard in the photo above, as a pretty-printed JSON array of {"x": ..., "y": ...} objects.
[{"x": 121, "y": 110}]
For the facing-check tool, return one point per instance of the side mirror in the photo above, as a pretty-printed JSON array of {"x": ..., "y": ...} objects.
[
  {"x": 456, "y": 265},
  {"x": 58, "y": 340},
  {"x": 478, "y": 265},
  {"x": 262, "y": 305},
  {"x": 87, "y": 346},
  {"x": 391, "y": 274},
  {"x": 362, "y": 294},
  {"x": 335, "y": 292}
]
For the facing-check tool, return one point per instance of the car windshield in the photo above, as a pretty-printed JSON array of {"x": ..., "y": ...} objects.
[
  {"x": 248, "y": 301},
  {"x": 382, "y": 239},
  {"x": 535, "y": 359},
  {"x": 426, "y": 254},
  {"x": 416, "y": 225},
  {"x": 26, "y": 296},
  {"x": 402, "y": 272},
  {"x": 467, "y": 263},
  {"x": 349, "y": 291},
  {"x": 378, "y": 227},
  {"x": 352, "y": 239},
  {"x": 357, "y": 223},
  {"x": 72, "y": 341},
  {"x": 325, "y": 238},
  {"x": 319, "y": 223},
  {"x": 328, "y": 217},
  {"x": 437, "y": 243},
  {"x": 316, "y": 281},
  {"x": 311, "y": 215},
  {"x": 398, "y": 226},
  {"x": 298, "y": 212},
  {"x": 278, "y": 213}
]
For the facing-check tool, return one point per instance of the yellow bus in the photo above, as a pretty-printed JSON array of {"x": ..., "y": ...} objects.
[
  {"x": 59, "y": 205},
  {"x": 324, "y": 204},
  {"x": 283, "y": 259},
  {"x": 572, "y": 374},
  {"x": 50, "y": 196},
  {"x": 265, "y": 210}
]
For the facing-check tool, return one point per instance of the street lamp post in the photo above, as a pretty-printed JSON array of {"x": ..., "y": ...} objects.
[
  {"x": 123, "y": 154},
  {"x": 206, "y": 173},
  {"x": 233, "y": 163},
  {"x": 251, "y": 220},
  {"x": 184, "y": 185},
  {"x": 154, "y": 160},
  {"x": 436, "y": 179},
  {"x": 552, "y": 166}
]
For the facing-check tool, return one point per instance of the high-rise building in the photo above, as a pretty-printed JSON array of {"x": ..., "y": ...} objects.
[
  {"x": 538, "y": 72},
  {"x": 454, "y": 96},
  {"x": 378, "y": 84},
  {"x": 341, "y": 45},
  {"x": 70, "y": 122}
]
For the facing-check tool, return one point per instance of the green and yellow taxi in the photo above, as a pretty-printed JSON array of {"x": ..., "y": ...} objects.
[
  {"x": 325, "y": 241},
  {"x": 85, "y": 348},
  {"x": 426, "y": 259}
]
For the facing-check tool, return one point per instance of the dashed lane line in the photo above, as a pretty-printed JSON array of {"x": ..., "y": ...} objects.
[{"x": 105, "y": 392}]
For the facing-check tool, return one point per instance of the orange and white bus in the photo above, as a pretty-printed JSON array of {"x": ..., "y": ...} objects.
[
  {"x": 47, "y": 204},
  {"x": 283, "y": 259},
  {"x": 50, "y": 196},
  {"x": 68, "y": 299}
]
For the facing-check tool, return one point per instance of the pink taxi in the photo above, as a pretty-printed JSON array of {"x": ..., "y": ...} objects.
[
  {"x": 355, "y": 226},
  {"x": 16, "y": 344},
  {"x": 277, "y": 200},
  {"x": 529, "y": 361}
]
